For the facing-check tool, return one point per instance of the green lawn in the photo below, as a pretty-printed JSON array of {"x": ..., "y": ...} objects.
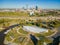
[
  {"x": 14, "y": 34},
  {"x": 19, "y": 40},
  {"x": 13, "y": 14},
  {"x": 23, "y": 32}
]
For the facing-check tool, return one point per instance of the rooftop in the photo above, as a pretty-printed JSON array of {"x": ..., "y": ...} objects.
[{"x": 34, "y": 29}]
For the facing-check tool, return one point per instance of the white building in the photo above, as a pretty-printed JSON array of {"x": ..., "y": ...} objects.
[
  {"x": 34, "y": 29},
  {"x": 31, "y": 13}
]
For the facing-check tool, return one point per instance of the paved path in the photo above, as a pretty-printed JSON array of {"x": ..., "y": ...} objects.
[
  {"x": 28, "y": 39},
  {"x": 58, "y": 33},
  {"x": 3, "y": 34},
  {"x": 55, "y": 32},
  {"x": 19, "y": 32},
  {"x": 34, "y": 18}
]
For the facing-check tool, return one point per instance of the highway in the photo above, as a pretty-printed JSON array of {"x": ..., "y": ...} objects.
[{"x": 33, "y": 18}]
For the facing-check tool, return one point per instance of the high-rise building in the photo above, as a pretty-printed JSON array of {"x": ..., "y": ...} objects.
[{"x": 36, "y": 7}]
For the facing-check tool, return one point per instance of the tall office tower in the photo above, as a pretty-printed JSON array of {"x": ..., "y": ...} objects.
[{"x": 36, "y": 8}]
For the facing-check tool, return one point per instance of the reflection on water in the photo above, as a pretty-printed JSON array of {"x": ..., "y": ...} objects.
[
  {"x": 33, "y": 38},
  {"x": 56, "y": 38},
  {"x": 56, "y": 41}
]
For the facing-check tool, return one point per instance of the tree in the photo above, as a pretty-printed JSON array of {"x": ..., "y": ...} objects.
[{"x": 3, "y": 21}]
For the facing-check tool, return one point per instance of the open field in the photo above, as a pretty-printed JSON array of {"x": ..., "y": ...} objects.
[
  {"x": 50, "y": 21},
  {"x": 18, "y": 35}
]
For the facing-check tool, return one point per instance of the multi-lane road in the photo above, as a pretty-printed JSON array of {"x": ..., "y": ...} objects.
[{"x": 34, "y": 18}]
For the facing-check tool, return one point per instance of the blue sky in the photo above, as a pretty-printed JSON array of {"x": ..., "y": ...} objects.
[{"x": 48, "y": 4}]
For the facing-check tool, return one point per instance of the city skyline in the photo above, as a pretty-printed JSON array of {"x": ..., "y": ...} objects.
[{"x": 44, "y": 4}]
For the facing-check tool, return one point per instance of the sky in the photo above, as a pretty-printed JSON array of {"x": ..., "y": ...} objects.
[{"x": 45, "y": 4}]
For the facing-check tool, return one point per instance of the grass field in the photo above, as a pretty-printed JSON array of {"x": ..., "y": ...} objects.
[
  {"x": 21, "y": 37},
  {"x": 13, "y": 14}
]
